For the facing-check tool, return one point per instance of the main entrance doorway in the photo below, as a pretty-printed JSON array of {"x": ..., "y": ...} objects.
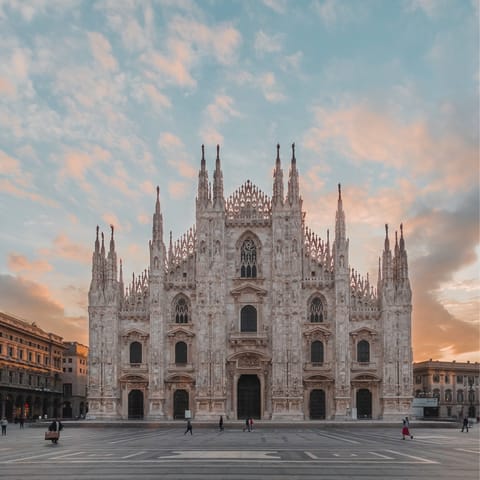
[
  {"x": 317, "y": 405},
  {"x": 248, "y": 397},
  {"x": 180, "y": 404},
  {"x": 135, "y": 405},
  {"x": 364, "y": 403}
]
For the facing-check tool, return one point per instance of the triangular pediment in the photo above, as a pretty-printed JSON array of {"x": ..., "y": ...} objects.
[
  {"x": 317, "y": 330},
  {"x": 363, "y": 330},
  {"x": 248, "y": 287},
  {"x": 180, "y": 331}
]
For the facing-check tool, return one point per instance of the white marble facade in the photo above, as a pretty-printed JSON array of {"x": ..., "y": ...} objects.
[{"x": 250, "y": 313}]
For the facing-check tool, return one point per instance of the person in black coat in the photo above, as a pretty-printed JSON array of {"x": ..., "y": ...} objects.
[
  {"x": 465, "y": 424},
  {"x": 55, "y": 426}
]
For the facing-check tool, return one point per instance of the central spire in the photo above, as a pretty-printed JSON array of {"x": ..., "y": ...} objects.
[
  {"x": 218, "y": 200},
  {"x": 293, "y": 196}
]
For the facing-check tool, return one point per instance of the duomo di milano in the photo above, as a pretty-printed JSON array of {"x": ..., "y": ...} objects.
[{"x": 250, "y": 314}]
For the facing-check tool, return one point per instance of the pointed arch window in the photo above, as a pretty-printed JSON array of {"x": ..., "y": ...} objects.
[
  {"x": 135, "y": 352},
  {"x": 248, "y": 259},
  {"x": 181, "y": 311},
  {"x": 180, "y": 353},
  {"x": 316, "y": 352},
  {"x": 248, "y": 319},
  {"x": 317, "y": 311},
  {"x": 363, "y": 352}
]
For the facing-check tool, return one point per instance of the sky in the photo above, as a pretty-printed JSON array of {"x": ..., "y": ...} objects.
[{"x": 101, "y": 101}]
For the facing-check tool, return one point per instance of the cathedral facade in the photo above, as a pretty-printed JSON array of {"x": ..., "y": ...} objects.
[{"x": 250, "y": 314}]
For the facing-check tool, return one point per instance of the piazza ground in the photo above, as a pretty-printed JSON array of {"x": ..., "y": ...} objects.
[{"x": 125, "y": 451}]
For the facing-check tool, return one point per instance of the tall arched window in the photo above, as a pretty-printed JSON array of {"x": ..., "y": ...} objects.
[
  {"x": 248, "y": 319},
  {"x": 448, "y": 395},
  {"x": 316, "y": 310},
  {"x": 436, "y": 393},
  {"x": 248, "y": 259},
  {"x": 135, "y": 352},
  {"x": 460, "y": 396},
  {"x": 181, "y": 311},
  {"x": 316, "y": 351},
  {"x": 180, "y": 353},
  {"x": 363, "y": 351}
]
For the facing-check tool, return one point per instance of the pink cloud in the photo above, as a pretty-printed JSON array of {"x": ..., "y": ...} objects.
[
  {"x": 7, "y": 87},
  {"x": 169, "y": 141},
  {"x": 177, "y": 189},
  {"x": 64, "y": 247},
  {"x": 144, "y": 219},
  {"x": 7, "y": 186},
  {"x": 19, "y": 263},
  {"x": 158, "y": 98},
  {"x": 102, "y": 51},
  {"x": 365, "y": 135}
]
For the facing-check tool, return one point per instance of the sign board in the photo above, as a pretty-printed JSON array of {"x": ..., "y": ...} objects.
[
  {"x": 425, "y": 402},
  {"x": 188, "y": 414}
]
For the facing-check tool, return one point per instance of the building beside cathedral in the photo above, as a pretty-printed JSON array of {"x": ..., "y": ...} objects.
[{"x": 250, "y": 314}]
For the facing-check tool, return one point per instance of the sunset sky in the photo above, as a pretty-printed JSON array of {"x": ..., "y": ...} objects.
[{"x": 100, "y": 101}]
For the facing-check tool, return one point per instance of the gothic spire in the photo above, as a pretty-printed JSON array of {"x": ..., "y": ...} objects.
[
  {"x": 339, "y": 218},
  {"x": 203, "y": 188},
  {"x": 277, "y": 198},
  {"x": 293, "y": 196},
  {"x": 218, "y": 199},
  {"x": 112, "y": 241},
  {"x": 387, "y": 273},
  {"x": 157, "y": 227},
  {"x": 97, "y": 243}
]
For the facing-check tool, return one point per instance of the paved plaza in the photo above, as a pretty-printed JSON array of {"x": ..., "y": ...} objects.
[{"x": 121, "y": 452}]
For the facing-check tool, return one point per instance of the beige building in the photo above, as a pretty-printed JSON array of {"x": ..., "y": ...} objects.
[
  {"x": 454, "y": 385},
  {"x": 250, "y": 314},
  {"x": 30, "y": 370},
  {"x": 74, "y": 377}
]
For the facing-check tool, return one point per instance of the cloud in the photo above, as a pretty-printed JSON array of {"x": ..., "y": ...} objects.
[
  {"x": 64, "y": 247},
  {"x": 102, "y": 51},
  {"x": 143, "y": 218},
  {"x": 362, "y": 134},
  {"x": 177, "y": 189},
  {"x": 292, "y": 62},
  {"x": 279, "y": 6},
  {"x": 442, "y": 242},
  {"x": 268, "y": 84},
  {"x": 33, "y": 301},
  {"x": 332, "y": 12},
  {"x": 265, "y": 43},
  {"x": 158, "y": 98},
  {"x": 7, "y": 87},
  {"x": 20, "y": 264},
  {"x": 221, "y": 109},
  {"x": 428, "y": 7},
  {"x": 176, "y": 155}
]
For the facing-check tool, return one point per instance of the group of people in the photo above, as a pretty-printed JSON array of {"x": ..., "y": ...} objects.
[{"x": 248, "y": 424}]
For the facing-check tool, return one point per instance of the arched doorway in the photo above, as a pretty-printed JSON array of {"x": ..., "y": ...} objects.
[
  {"x": 364, "y": 403},
  {"x": 180, "y": 404},
  {"x": 248, "y": 397},
  {"x": 67, "y": 411},
  {"x": 317, "y": 405},
  {"x": 135, "y": 404}
]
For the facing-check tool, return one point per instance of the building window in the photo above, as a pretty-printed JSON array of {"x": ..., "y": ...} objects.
[
  {"x": 418, "y": 379},
  {"x": 67, "y": 389},
  {"x": 30, "y": 356},
  {"x": 317, "y": 352},
  {"x": 69, "y": 369},
  {"x": 180, "y": 353},
  {"x": 248, "y": 259},
  {"x": 20, "y": 378},
  {"x": 135, "y": 352},
  {"x": 460, "y": 396},
  {"x": 10, "y": 351},
  {"x": 447, "y": 378},
  {"x": 448, "y": 395},
  {"x": 363, "y": 352},
  {"x": 248, "y": 319},
  {"x": 460, "y": 379},
  {"x": 70, "y": 360},
  {"x": 181, "y": 311},
  {"x": 449, "y": 411},
  {"x": 20, "y": 354},
  {"x": 436, "y": 393},
  {"x": 317, "y": 311},
  {"x": 436, "y": 378}
]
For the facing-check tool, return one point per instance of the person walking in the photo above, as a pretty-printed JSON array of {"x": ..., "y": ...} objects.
[
  {"x": 189, "y": 428},
  {"x": 250, "y": 423},
  {"x": 406, "y": 429},
  {"x": 55, "y": 426},
  {"x": 247, "y": 425},
  {"x": 22, "y": 421},
  {"x": 4, "y": 423},
  {"x": 220, "y": 423},
  {"x": 465, "y": 424}
]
